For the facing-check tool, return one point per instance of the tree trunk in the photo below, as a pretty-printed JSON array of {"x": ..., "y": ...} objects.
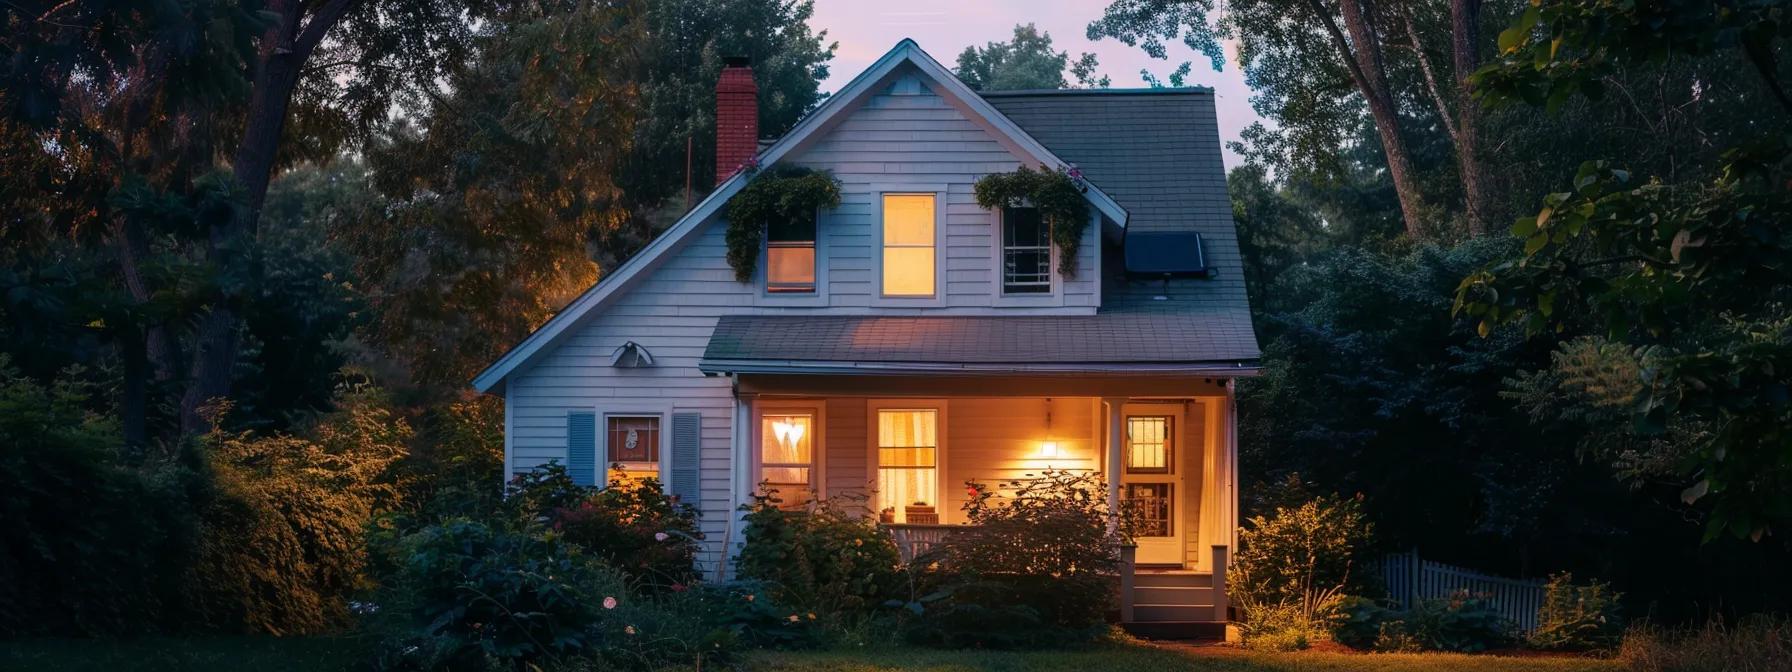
[
  {"x": 218, "y": 339},
  {"x": 1365, "y": 49},
  {"x": 1465, "y": 31}
]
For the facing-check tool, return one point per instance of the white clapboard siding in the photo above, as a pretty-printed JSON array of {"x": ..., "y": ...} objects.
[
  {"x": 1409, "y": 577},
  {"x": 912, "y": 137}
]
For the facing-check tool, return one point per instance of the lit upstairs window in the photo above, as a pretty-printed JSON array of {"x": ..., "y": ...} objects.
[
  {"x": 790, "y": 256},
  {"x": 908, "y": 245}
]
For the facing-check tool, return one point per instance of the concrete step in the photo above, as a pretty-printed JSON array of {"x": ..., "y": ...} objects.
[
  {"x": 1197, "y": 630},
  {"x": 1173, "y": 579},
  {"x": 1172, "y": 595},
  {"x": 1148, "y": 613}
]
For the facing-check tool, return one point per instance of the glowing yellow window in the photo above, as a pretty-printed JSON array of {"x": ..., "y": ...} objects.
[
  {"x": 908, "y": 245},
  {"x": 907, "y": 463},
  {"x": 788, "y": 456}
]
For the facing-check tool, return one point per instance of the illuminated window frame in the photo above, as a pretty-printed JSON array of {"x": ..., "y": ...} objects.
[{"x": 882, "y": 297}]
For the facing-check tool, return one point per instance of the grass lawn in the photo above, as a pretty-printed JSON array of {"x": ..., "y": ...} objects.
[
  {"x": 199, "y": 654},
  {"x": 1146, "y": 658}
]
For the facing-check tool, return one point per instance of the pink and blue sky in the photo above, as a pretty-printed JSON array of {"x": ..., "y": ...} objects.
[{"x": 866, "y": 29}]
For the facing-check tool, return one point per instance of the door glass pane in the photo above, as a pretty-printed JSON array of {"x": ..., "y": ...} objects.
[
  {"x": 1148, "y": 445},
  {"x": 1152, "y": 509}
]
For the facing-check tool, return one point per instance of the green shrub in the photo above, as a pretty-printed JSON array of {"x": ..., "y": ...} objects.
[
  {"x": 1578, "y": 618},
  {"x": 635, "y": 528},
  {"x": 1035, "y": 568},
  {"x": 1462, "y": 623},
  {"x": 824, "y": 558},
  {"x": 282, "y": 536},
  {"x": 1359, "y": 622},
  {"x": 95, "y": 536},
  {"x": 471, "y": 596},
  {"x": 745, "y": 613},
  {"x": 1294, "y": 567}
]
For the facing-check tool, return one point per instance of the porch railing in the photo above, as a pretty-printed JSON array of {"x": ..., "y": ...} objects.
[{"x": 915, "y": 540}]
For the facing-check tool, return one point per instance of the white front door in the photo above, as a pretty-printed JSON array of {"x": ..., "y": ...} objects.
[{"x": 1151, "y": 481}]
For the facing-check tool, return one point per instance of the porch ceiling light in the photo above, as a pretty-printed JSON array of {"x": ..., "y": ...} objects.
[{"x": 1048, "y": 449}]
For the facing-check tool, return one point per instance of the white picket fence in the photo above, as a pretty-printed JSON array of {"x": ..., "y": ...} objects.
[{"x": 1408, "y": 576}]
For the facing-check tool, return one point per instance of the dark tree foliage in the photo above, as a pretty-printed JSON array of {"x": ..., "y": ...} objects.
[
  {"x": 681, "y": 58},
  {"x": 1025, "y": 62}
]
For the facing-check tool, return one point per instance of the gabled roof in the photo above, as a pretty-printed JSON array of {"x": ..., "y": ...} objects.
[
  {"x": 847, "y": 99},
  {"x": 1157, "y": 152},
  {"x": 1103, "y": 342}
]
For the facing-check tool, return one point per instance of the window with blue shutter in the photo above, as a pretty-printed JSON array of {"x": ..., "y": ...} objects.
[
  {"x": 581, "y": 447},
  {"x": 687, "y": 448}
]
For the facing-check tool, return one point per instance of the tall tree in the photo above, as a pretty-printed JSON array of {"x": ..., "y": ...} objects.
[
  {"x": 1297, "y": 53},
  {"x": 180, "y": 110},
  {"x": 1682, "y": 287},
  {"x": 1025, "y": 62},
  {"x": 680, "y": 59}
]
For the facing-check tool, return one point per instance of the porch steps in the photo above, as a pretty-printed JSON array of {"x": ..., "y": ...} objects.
[{"x": 1173, "y": 604}]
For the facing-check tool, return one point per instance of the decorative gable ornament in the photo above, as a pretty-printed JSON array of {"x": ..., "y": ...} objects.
[
  {"x": 1056, "y": 194},
  {"x": 631, "y": 355}
]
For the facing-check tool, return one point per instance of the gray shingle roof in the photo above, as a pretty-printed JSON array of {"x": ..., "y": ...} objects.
[
  {"x": 1098, "y": 342},
  {"x": 1157, "y": 153}
]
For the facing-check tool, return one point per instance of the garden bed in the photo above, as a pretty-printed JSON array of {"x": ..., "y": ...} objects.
[{"x": 1160, "y": 658}]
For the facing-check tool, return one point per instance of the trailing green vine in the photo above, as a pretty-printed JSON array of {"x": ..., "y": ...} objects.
[
  {"x": 1056, "y": 194},
  {"x": 777, "y": 195}
]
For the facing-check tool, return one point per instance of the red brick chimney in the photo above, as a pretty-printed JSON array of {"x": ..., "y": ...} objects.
[{"x": 737, "y": 117}]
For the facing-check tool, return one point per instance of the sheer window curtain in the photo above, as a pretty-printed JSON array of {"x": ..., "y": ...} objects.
[{"x": 907, "y": 444}]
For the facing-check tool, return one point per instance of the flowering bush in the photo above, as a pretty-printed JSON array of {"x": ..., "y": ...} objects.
[
  {"x": 824, "y": 558},
  {"x": 473, "y": 596},
  {"x": 1035, "y": 568},
  {"x": 635, "y": 528}
]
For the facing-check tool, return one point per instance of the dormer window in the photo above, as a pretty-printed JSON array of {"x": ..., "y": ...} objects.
[
  {"x": 1026, "y": 252},
  {"x": 790, "y": 256}
]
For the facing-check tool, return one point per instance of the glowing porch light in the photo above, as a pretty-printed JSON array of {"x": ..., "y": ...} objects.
[{"x": 1048, "y": 449}]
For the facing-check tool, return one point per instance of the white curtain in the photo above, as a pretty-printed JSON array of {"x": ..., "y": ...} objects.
[{"x": 908, "y": 442}]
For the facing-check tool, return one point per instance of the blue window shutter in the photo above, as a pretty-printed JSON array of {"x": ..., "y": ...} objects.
[
  {"x": 581, "y": 447},
  {"x": 687, "y": 449}
]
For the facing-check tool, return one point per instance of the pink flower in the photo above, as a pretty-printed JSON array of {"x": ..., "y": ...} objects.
[
  {"x": 609, "y": 603},
  {"x": 628, "y": 629},
  {"x": 661, "y": 536}
]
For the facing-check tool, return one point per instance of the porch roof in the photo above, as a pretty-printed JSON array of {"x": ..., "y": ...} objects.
[{"x": 1216, "y": 342}]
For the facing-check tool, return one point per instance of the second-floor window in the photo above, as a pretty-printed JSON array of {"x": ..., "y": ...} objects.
[
  {"x": 1026, "y": 252},
  {"x": 908, "y": 245},
  {"x": 790, "y": 256}
]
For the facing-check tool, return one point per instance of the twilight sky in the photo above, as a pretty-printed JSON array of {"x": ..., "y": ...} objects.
[{"x": 866, "y": 29}]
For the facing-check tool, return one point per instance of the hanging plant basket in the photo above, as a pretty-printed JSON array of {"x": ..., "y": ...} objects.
[
  {"x": 1056, "y": 194},
  {"x": 779, "y": 195}
]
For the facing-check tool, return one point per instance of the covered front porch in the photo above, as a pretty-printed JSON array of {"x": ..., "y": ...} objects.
[{"x": 902, "y": 448}]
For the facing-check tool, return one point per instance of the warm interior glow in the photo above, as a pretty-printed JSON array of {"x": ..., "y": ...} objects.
[
  {"x": 786, "y": 457},
  {"x": 908, "y": 245},
  {"x": 1148, "y": 444},
  {"x": 790, "y": 268},
  {"x": 1048, "y": 449},
  {"x": 907, "y": 447}
]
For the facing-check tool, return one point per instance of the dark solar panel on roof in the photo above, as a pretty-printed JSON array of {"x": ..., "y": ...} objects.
[{"x": 1161, "y": 254}]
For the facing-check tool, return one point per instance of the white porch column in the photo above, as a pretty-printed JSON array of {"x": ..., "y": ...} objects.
[
  {"x": 1115, "y": 446},
  {"x": 740, "y": 486}
]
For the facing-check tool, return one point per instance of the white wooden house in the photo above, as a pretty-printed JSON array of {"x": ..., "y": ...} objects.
[{"x": 912, "y": 340}]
